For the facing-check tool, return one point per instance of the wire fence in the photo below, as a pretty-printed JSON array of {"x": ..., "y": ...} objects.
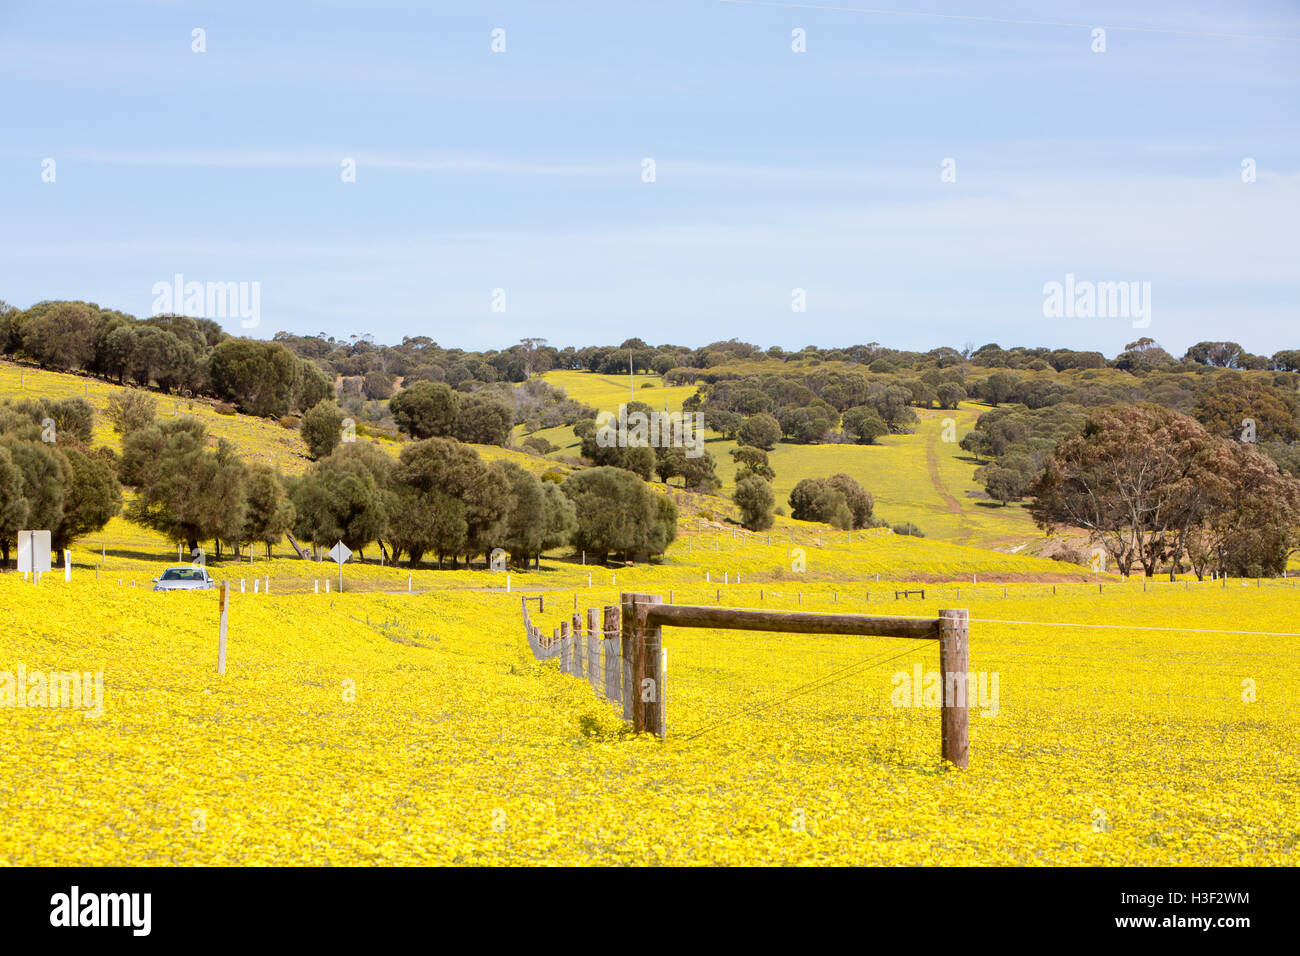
[{"x": 1133, "y": 693}]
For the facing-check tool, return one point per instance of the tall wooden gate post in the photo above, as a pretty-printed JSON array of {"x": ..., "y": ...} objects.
[
  {"x": 644, "y": 672},
  {"x": 954, "y": 664}
]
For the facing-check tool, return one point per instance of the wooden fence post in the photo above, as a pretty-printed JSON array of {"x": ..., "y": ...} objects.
[
  {"x": 612, "y": 646},
  {"x": 221, "y": 631},
  {"x": 644, "y": 671},
  {"x": 627, "y": 628},
  {"x": 593, "y": 648},
  {"x": 566, "y": 652},
  {"x": 954, "y": 664},
  {"x": 579, "y": 667}
]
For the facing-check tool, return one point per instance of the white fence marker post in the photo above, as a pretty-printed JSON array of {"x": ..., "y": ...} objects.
[
  {"x": 241, "y": 585},
  {"x": 255, "y": 584},
  {"x": 67, "y": 565}
]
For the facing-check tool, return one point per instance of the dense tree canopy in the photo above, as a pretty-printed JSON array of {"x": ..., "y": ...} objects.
[{"x": 617, "y": 512}]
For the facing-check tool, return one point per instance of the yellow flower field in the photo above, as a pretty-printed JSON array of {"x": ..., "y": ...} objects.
[{"x": 374, "y": 728}]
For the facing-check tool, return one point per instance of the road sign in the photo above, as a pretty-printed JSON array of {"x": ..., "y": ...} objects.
[
  {"x": 340, "y": 553},
  {"x": 34, "y": 551}
]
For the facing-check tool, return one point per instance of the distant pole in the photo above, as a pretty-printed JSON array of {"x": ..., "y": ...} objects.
[
  {"x": 67, "y": 565},
  {"x": 221, "y": 639}
]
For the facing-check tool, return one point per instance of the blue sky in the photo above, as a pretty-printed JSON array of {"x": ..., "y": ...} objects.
[{"x": 775, "y": 170}]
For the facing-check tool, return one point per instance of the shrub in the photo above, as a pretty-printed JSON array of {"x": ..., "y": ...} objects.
[
  {"x": 322, "y": 429},
  {"x": 839, "y": 501},
  {"x": 131, "y": 410},
  {"x": 761, "y": 431},
  {"x": 753, "y": 496},
  {"x": 617, "y": 511}
]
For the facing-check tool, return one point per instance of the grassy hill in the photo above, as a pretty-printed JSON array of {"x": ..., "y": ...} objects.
[
  {"x": 257, "y": 439},
  {"x": 918, "y": 477}
]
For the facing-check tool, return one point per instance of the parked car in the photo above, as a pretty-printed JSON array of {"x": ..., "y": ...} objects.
[{"x": 184, "y": 577}]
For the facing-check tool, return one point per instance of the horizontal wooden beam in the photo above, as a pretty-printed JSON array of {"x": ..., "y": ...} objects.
[{"x": 794, "y": 622}]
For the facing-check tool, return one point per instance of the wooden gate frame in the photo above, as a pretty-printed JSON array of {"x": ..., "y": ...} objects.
[{"x": 645, "y": 616}]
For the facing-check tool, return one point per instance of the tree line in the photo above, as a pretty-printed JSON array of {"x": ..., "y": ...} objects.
[{"x": 437, "y": 498}]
